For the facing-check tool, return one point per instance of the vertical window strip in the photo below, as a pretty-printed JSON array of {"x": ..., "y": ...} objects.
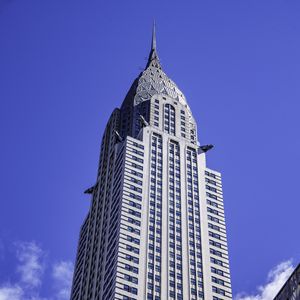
[
  {"x": 172, "y": 264},
  {"x": 154, "y": 238},
  {"x": 169, "y": 119},
  {"x": 198, "y": 225},
  {"x": 175, "y": 234},
  {"x": 194, "y": 225}
]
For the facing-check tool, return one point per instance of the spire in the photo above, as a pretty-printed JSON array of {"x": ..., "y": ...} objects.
[
  {"x": 153, "y": 46},
  {"x": 153, "y": 57}
]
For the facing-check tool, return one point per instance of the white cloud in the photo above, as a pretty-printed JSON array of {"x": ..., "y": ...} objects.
[
  {"x": 62, "y": 273},
  {"x": 275, "y": 280},
  {"x": 31, "y": 263},
  {"x": 31, "y": 266},
  {"x": 8, "y": 292}
]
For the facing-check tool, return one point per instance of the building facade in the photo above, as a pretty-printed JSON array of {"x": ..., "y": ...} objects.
[{"x": 156, "y": 225}]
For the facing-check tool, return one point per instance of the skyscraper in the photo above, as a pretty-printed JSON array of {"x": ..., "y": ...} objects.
[{"x": 156, "y": 226}]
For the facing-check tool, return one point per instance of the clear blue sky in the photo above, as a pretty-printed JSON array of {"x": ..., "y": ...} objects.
[{"x": 65, "y": 65}]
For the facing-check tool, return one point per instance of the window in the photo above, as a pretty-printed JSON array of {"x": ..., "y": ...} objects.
[
  {"x": 211, "y": 188},
  {"x": 130, "y": 289},
  {"x": 216, "y": 261},
  {"x": 133, "y": 240},
  {"x": 212, "y": 226},
  {"x": 132, "y": 249},
  {"x": 216, "y": 244},
  {"x": 217, "y": 271},
  {"x": 131, "y": 268},
  {"x": 218, "y": 291},
  {"x": 210, "y": 174},
  {"x": 212, "y": 211},
  {"x": 215, "y": 252},
  {"x": 210, "y": 181},
  {"x": 212, "y": 203},
  {"x": 130, "y": 278},
  {"x": 214, "y": 235},
  {"x": 217, "y": 280},
  {"x": 213, "y": 219},
  {"x": 212, "y": 196}
]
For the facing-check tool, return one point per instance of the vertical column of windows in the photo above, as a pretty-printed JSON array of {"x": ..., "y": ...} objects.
[
  {"x": 217, "y": 237},
  {"x": 156, "y": 113},
  {"x": 169, "y": 119},
  {"x": 155, "y": 213},
  {"x": 193, "y": 134},
  {"x": 195, "y": 258},
  {"x": 183, "y": 123},
  {"x": 187, "y": 127},
  {"x": 175, "y": 232}
]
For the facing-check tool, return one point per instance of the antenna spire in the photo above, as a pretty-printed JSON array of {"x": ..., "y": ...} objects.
[
  {"x": 153, "y": 57},
  {"x": 153, "y": 46}
]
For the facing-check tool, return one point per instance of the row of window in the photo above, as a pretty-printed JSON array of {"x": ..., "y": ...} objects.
[
  {"x": 175, "y": 247},
  {"x": 155, "y": 213},
  {"x": 196, "y": 277}
]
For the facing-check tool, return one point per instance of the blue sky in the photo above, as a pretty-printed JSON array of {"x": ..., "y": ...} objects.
[{"x": 64, "y": 66}]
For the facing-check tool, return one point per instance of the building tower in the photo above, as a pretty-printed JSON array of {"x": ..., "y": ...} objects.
[{"x": 156, "y": 226}]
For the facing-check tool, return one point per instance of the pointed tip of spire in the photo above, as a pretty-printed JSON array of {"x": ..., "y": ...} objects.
[{"x": 153, "y": 45}]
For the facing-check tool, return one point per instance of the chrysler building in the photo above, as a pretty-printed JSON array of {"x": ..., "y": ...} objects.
[{"x": 156, "y": 227}]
